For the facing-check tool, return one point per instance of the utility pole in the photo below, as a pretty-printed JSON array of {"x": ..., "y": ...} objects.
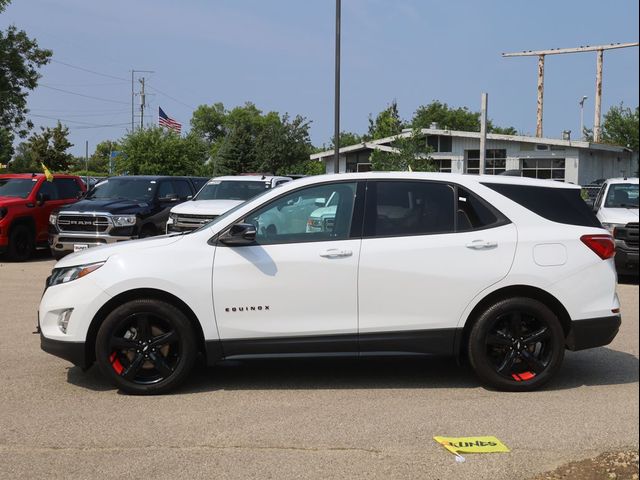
[
  {"x": 483, "y": 132},
  {"x": 133, "y": 94},
  {"x": 557, "y": 51},
  {"x": 336, "y": 135},
  {"x": 581, "y": 102},
  {"x": 86, "y": 160},
  {"x": 142, "y": 102}
]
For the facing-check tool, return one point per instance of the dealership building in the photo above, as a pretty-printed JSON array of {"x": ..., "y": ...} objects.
[{"x": 578, "y": 162}]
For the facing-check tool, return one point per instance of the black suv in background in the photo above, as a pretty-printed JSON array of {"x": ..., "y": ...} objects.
[{"x": 117, "y": 209}]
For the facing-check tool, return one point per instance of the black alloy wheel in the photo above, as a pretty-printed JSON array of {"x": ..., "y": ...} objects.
[
  {"x": 21, "y": 243},
  {"x": 516, "y": 345},
  {"x": 146, "y": 347}
]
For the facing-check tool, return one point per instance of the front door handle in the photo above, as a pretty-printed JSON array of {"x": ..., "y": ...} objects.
[
  {"x": 336, "y": 253},
  {"x": 481, "y": 245}
]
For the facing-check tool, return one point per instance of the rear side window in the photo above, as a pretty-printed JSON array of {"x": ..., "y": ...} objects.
[
  {"x": 399, "y": 208},
  {"x": 474, "y": 214},
  {"x": 562, "y": 205}
]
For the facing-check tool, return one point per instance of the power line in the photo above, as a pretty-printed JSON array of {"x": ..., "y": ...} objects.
[
  {"x": 170, "y": 97},
  {"x": 66, "y": 120},
  {"x": 90, "y": 71},
  {"x": 83, "y": 115},
  {"x": 83, "y": 95}
]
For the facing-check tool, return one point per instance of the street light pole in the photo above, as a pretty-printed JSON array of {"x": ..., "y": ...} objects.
[
  {"x": 336, "y": 135},
  {"x": 581, "y": 102}
]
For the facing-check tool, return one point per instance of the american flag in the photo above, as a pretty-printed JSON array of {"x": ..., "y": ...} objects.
[{"x": 165, "y": 121}]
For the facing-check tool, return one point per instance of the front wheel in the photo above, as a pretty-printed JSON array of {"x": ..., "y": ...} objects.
[
  {"x": 146, "y": 346},
  {"x": 517, "y": 344},
  {"x": 21, "y": 243}
]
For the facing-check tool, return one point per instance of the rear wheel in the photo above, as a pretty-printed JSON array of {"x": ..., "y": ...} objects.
[
  {"x": 21, "y": 243},
  {"x": 146, "y": 347},
  {"x": 517, "y": 344}
]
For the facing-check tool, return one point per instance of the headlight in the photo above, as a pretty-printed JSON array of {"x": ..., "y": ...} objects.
[
  {"x": 53, "y": 218},
  {"x": 612, "y": 226},
  {"x": 69, "y": 274},
  {"x": 3, "y": 212},
  {"x": 124, "y": 220}
]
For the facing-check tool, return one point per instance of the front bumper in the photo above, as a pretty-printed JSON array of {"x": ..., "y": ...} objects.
[
  {"x": 63, "y": 243},
  {"x": 592, "y": 332},
  {"x": 73, "y": 352}
]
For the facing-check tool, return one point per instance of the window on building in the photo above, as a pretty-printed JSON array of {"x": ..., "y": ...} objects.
[
  {"x": 495, "y": 161},
  {"x": 442, "y": 164},
  {"x": 546, "y": 168},
  {"x": 440, "y": 143}
]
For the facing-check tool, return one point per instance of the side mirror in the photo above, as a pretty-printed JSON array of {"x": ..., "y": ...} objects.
[
  {"x": 319, "y": 202},
  {"x": 41, "y": 198},
  {"x": 239, "y": 234}
]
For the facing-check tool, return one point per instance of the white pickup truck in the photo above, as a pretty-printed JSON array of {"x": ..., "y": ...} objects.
[
  {"x": 219, "y": 195},
  {"x": 616, "y": 206}
]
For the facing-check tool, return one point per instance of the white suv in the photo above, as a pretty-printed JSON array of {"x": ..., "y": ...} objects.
[
  {"x": 216, "y": 197},
  {"x": 505, "y": 271}
]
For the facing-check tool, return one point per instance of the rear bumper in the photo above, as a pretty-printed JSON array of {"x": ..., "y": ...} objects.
[
  {"x": 73, "y": 352},
  {"x": 592, "y": 332}
]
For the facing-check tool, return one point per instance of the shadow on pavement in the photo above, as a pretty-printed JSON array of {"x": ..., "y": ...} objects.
[{"x": 601, "y": 366}]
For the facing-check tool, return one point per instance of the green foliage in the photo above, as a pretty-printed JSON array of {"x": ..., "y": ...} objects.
[
  {"x": 621, "y": 126},
  {"x": 450, "y": 118},
  {"x": 386, "y": 124},
  {"x": 50, "y": 147},
  {"x": 346, "y": 139},
  {"x": 20, "y": 59},
  {"x": 23, "y": 161},
  {"x": 155, "y": 151},
  {"x": 244, "y": 140},
  {"x": 412, "y": 155},
  {"x": 6, "y": 146},
  {"x": 99, "y": 160}
]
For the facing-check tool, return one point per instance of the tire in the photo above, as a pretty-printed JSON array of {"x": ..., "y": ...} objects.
[
  {"x": 146, "y": 347},
  {"x": 516, "y": 345},
  {"x": 21, "y": 243}
]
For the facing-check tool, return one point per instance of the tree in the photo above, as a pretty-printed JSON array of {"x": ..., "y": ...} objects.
[
  {"x": 411, "y": 154},
  {"x": 155, "y": 151},
  {"x": 20, "y": 59},
  {"x": 346, "y": 139},
  {"x": 6, "y": 146},
  {"x": 386, "y": 124},
  {"x": 209, "y": 122},
  {"x": 449, "y": 118},
  {"x": 620, "y": 127},
  {"x": 50, "y": 148},
  {"x": 99, "y": 160},
  {"x": 23, "y": 160}
]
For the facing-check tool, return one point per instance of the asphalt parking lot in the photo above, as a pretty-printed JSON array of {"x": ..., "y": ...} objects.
[{"x": 300, "y": 419}]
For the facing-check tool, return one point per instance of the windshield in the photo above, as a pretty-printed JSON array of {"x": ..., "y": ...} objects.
[
  {"x": 16, "y": 187},
  {"x": 231, "y": 190},
  {"x": 622, "y": 195},
  {"x": 126, "y": 188}
]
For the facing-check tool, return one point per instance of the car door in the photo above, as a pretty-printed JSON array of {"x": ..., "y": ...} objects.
[
  {"x": 291, "y": 291},
  {"x": 48, "y": 190},
  {"x": 428, "y": 249}
]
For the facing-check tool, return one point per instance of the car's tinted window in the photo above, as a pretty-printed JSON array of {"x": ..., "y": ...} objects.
[
  {"x": 397, "y": 208},
  {"x": 562, "y": 205},
  {"x": 165, "y": 189},
  {"x": 622, "y": 195},
  {"x": 182, "y": 188},
  {"x": 67, "y": 188},
  {"x": 311, "y": 214},
  {"x": 472, "y": 213},
  {"x": 50, "y": 189}
]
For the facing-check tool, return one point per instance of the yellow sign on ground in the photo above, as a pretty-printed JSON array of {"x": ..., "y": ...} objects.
[{"x": 459, "y": 445}]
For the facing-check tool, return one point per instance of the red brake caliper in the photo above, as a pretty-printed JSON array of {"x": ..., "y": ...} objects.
[
  {"x": 115, "y": 363},
  {"x": 523, "y": 377}
]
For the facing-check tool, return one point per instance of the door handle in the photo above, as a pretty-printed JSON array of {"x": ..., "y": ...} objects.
[
  {"x": 336, "y": 253},
  {"x": 481, "y": 245}
]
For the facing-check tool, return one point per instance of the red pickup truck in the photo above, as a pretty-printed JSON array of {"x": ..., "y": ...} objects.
[{"x": 26, "y": 201}]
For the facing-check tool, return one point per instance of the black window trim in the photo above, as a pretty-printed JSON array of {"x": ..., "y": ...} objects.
[
  {"x": 357, "y": 216},
  {"x": 502, "y": 219}
]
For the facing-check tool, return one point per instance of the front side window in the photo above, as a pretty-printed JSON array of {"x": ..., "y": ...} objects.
[
  {"x": 400, "y": 208},
  {"x": 622, "y": 195},
  {"x": 318, "y": 213},
  {"x": 49, "y": 189},
  {"x": 67, "y": 188}
]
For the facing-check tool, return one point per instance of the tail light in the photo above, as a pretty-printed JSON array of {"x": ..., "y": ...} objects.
[{"x": 601, "y": 245}]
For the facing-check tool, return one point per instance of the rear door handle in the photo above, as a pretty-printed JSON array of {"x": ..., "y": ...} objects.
[
  {"x": 481, "y": 245},
  {"x": 336, "y": 253}
]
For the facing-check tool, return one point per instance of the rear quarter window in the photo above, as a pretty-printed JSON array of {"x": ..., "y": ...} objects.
[{"x": 561, "y": 205}]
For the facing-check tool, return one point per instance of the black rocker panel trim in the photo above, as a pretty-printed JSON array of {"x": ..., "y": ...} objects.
[{"x": 431, "y": 342}]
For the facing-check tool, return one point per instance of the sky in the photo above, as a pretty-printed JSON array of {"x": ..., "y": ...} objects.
[{"x": 279, "y": 54}]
